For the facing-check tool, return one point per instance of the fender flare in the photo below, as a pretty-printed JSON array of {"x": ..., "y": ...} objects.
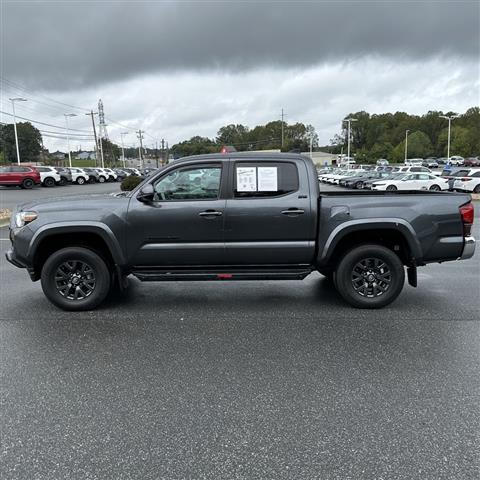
[
  {"x": 97, "y": 228},
  {"x": 395, "y": 224}
]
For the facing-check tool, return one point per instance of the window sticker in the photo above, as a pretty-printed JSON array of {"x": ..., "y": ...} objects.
[
  {"x": 267, "y": 179},
  {"x": 246, "y": 179}
]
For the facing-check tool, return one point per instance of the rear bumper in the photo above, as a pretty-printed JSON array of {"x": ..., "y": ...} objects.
[{"x": 468, "y": 248}]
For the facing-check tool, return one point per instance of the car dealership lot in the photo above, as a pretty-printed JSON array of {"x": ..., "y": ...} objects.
[{"x": 241, "y": 380}]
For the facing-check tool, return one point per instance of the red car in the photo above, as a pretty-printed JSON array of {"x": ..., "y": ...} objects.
[
  {"x": 472, "y": 162},
  {"x": 19, "y": 175}
]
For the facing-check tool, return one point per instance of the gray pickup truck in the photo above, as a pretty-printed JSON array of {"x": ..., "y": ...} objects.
[{"x": 238, "y": 217}]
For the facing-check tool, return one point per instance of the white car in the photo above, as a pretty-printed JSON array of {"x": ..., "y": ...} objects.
[
  {"x": 412, "y": 162},
  {"x": 412, "y": 169},
  {"x": 106, "y": 175},
  {"x": 456, "y": 160},
  {"x": 413, "y": 181},
  {"x": 49, "y": 176},
  {"x": 470, "y": 183},
  {"x": 79, "y": 176}
]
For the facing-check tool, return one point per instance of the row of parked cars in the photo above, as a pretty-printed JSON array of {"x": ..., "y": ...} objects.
[
  {"x": 403, "y": 178},
  {"x": 455, "y": 160},
  {"x": 27, "y": 176}
]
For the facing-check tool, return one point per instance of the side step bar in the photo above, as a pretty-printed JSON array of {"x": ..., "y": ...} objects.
[{"x": 195, "y": 276}]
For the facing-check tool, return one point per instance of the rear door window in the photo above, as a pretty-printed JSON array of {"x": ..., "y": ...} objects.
[{"x": 264, "y": 179}]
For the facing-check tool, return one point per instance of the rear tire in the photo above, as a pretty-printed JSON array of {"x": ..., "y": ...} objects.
[
  {"x": 370, "y": 276},
  {"x": 62, "y": 182},
  {"x": 28, "y": 183},
  {"x": 49, "y": 182},
  {"x": 101, "y": 179},
  {"x": 75, "y": 279},
  {"x": 477, "y": 189},
  {"x": 359, "y": 185},
  {"x": 435, "y": 188}
]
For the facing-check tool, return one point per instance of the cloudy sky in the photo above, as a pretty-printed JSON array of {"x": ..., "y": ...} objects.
[{"x": 178, "y": 69}]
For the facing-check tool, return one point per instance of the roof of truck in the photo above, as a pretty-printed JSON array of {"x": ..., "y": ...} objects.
[{"x": 242, "y": 155}]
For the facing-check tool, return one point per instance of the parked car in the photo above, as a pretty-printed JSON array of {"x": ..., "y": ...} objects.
[
  {"x": 413, "y": 162},
  {"x": 79, "y": 176},
  {"x": 121, "y": 174},
  {"x": 456, "y": 160},
  {"x": 452, "y": 175},
  {"x": 133, "y": 171},
  {"x": 470, "y": 183},
  {"x": 430, "y": 162},
  {"x": 65, "y": 175},
  {"x": 412, "y": 169},
  {"x": 80, "y": 250},
  {"x": 367, "y": 184},
  {"x": 93, "y": 175},
  {"x": 413, "y": 181},
  {"x": 19, "y": 175},
  {"x": 103, "y": 176},
  {"x": 442, "y": 160},
  {"x": 50, "y": 177},
  {"x": 359, "y": 181},
  {"x": 472, "y": 162},
  {"x": 382, "y": 162}
]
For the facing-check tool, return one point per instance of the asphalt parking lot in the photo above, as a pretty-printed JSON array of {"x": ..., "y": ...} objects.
[{"x": 250, "y": 380}]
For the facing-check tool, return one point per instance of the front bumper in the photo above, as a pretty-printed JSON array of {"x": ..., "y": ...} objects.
[{"x": 468, "y": 248}]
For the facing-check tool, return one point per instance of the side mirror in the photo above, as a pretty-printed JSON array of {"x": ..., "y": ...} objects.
[{"x": 146, "y": 193}]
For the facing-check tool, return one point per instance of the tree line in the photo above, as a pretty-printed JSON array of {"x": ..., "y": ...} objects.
[{"x": 375, "y": 136}]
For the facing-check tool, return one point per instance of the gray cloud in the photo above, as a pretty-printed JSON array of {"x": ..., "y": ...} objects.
[{"x": 66, "y": 46}]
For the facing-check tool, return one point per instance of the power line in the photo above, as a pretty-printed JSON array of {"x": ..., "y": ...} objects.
[
  {"x": 43, "y": 123},
  {"x": 22, "y": 88}
]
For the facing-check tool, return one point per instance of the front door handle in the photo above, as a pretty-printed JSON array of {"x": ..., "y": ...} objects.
[
  {"x": 210, "y": 213},
  {"x": 293, "y": 211}
]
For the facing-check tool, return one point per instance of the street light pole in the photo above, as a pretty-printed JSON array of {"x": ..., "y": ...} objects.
[
  {"x": 13, "y": 100},
  {"x": 123, "y": 149},
  {"x": 406, "y": 145},
  {"x": 349, "y": 120},
  {"x": 449, "y": 118},
  {"x": 66, "y": 115}
]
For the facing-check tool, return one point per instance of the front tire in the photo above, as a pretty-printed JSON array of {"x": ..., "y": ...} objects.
[
  {"x": 101, "y": 179},
  {"x": 477, "y": 189},
  {"x": 80, "y": 180},
  {"x": 49, "y": 182},
  {"x": 391, "y": 188},
  {"x": 28, "y": 183},
  {"x": 370, "y": 276},
  {"x": 75, "y": 279}
]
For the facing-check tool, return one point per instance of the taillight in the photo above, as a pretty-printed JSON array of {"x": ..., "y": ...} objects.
[{"x": 467, "y": 212}]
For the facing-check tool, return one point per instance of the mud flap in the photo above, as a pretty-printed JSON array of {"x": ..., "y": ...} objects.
[{"x": 412, "y": 276}]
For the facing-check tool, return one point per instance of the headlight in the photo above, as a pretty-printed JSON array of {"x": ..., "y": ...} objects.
[{"x": 22, "y": 218}]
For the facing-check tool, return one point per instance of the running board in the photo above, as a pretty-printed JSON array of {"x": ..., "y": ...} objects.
[{"x": 195, "y": 276}]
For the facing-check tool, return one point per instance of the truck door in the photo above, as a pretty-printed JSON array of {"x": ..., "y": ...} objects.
[
  {"x": 183, "y": 226},
  {"x": 269, "y": 218}
]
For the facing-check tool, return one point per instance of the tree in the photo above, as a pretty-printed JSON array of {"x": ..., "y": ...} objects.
[
  {"x": 29, "y": 142},
  {"x": 195, "y": 146},
  {"x": 236, "y": 135},
  {"x": 460, "y": 142},
  {"x": 419, "y": 146}
]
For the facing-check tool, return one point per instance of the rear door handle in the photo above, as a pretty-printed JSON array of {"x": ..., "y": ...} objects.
[
  {"x": 293, "y": 211},
  {"x": 210, "y": 213}
]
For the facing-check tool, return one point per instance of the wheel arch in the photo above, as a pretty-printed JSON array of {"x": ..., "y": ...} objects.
[
  {"x": 98, "y": 238},
  {"x": 396, "y": 234}
]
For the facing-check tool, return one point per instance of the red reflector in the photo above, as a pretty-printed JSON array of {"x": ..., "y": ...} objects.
[
  {"x": 224, "y": 276},
  {"x": 467, "y": 213}
]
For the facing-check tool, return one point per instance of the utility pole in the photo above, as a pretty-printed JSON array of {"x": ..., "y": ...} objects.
[
  {"x": 163, "y": 151},
  {"x": 13, "y": 100},
  {"x": 92, "y": 113},
  {"x": 123, "y": 148},
  {"x": 283, "y": 136},
  {"x": 449, "y": 118},
  {"x": 349, "y": 120},
  {"x": 406, "y": 145},
  {"x": 140, "y": 146},
  {"x": 66, "y": 115}
]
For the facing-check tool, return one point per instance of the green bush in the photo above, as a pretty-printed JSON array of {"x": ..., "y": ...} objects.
[{"x": 130, "y": 182}]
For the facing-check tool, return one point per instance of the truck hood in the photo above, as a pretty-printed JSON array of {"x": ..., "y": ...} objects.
[{"x": 75, "y": 203}]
